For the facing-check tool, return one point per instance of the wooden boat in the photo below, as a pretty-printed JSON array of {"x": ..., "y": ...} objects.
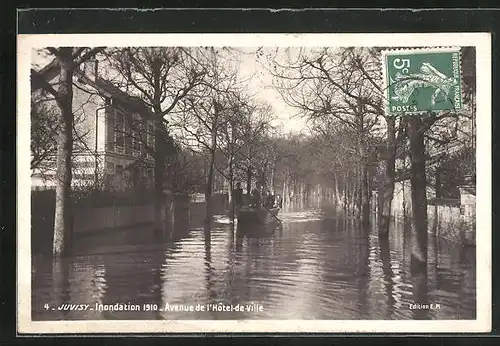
[{"x": 252, "y": 215}]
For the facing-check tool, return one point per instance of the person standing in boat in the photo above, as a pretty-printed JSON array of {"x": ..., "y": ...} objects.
[
  {"x": 238, "y": 196},
  {"x": 269, "y": 199},
  {"x": 256, "y": 195},
  {"x": 279, "y": 201}
]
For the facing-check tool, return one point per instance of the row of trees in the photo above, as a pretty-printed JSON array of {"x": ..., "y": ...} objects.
[
  {"x": 203, "y": 118},
  {"x": 340, "y": 92},
  {"x": 207, "y": 124}
]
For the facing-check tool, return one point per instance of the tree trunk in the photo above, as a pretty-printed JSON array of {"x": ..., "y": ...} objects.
[
  {"x": 231, "y": 190},
  {"x": 210, "y": 181},
  {"x": 435, "y": 221},
  {"x": 346, "y": 196},
  {"x": 231, "y": 142},
  {"x": 364, "y": 198},
  {"x": 355, "y": 194},
  {"x": 169, "y": 215},
  {"x": 231, "y": 180},
  {"x": 438, "y": 183},
  {"x": 283, "y": 191},
  {"x": 63, "y": 220},
  {"x": 159, "y": 175},
  {"x": 387, "y": 189},
  {"x": 208, "y": 192},
  {"x": 338, "y": 198},
  {"x": 418, "y": 195},
  {"x": 420, "y": 282},
  {"x": 249, "y": 179},
  {"x": 273, "y": 174}
]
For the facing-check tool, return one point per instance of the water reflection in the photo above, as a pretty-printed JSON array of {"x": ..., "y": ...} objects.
[
  {"x": 420, "y": 307},
  {"x": 387, "y": 276},
  {"x": 317, "y": 264}
]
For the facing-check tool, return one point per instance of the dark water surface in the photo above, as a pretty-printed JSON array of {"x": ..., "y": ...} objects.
[{"x": 318, "y": 265}]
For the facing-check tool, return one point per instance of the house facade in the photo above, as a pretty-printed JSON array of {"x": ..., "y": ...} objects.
[{"x": 113, "y": 135}]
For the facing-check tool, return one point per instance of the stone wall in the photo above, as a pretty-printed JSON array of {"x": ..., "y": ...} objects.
[
  {"x": 99, "y": 215},
  {"x": 447, "y": 222},
  {"x": 455, "y": 219},
  {"x": 98, "y": 219}
]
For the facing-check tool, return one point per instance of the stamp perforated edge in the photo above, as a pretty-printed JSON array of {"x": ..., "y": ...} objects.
[{"x": 414, "y": 50}]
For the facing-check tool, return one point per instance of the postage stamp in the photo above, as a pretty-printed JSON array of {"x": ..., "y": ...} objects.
[
  {"x": 422, "y": 80},
  {"x": 203, "y": 183}
]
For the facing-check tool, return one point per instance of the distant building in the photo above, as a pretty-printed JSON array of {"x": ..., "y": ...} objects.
[{"x": 114, "y": 134}]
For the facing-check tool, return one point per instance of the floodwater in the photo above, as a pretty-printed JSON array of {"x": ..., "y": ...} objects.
[{"x": 316, "y": 265}]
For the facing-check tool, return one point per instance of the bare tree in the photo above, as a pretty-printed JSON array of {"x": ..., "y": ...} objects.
[
  {"x": 336, "y": 158},
  {"x": 66, "y": 60},
  {"x": 253, "y": 134},
  {"x": 208, "y": 111},
  {"x": 44, "y": 128},
  {"x": 161, "y": 77},
  {"x": 424, "y": 132},
  {"x": 327, "y": 84}
]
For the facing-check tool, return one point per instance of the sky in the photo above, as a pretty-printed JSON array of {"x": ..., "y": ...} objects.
[{"x": 260, "y": 85}]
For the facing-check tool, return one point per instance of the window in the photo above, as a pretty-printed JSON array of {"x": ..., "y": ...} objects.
[
  {"x": 136, "y": 138},
  {"x": 150, "y": 139},
  {"x": 110, "y": 128},
  {"x": 128, "y": 136},
  {"x": 120, "y": 130}
]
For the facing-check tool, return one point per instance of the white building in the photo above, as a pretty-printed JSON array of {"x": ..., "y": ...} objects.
[{"x": 114, "y": 134}]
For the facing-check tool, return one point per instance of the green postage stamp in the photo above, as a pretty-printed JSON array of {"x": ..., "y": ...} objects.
[{"x": 422, "y": 80}]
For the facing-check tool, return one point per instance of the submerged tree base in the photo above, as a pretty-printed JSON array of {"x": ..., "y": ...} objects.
[
  {"x": 383, "y": 225},
  {"x": 418, "y": 266}
]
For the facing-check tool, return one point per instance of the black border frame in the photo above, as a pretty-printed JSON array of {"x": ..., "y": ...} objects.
[{"x": 216, "y": 21}]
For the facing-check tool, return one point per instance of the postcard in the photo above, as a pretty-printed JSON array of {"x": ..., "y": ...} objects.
[{"x": 284, "y": 183}]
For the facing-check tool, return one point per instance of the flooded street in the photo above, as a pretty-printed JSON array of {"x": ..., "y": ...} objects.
[{"x": 317, "y": 265}]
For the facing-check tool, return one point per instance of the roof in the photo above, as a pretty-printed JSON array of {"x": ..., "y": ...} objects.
[{"x": 106, "y": 88}]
